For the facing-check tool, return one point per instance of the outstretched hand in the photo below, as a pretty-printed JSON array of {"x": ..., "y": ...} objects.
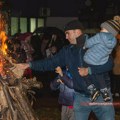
[
  {"x": 19, "y": 69},
  {"x": 22, "y": 66}
]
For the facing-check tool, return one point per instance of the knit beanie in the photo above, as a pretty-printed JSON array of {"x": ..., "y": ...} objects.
[
  {"x": 112, "y": 26},
  {"x": 74, "y": 24}
]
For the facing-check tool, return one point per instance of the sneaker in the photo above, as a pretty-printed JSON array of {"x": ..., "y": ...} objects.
[
  {"x": 95, "y": 94},
  {"x": 106, "y": 96}
]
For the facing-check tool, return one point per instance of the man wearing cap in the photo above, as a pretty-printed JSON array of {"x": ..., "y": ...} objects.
[{"x": 72, "y": 56}]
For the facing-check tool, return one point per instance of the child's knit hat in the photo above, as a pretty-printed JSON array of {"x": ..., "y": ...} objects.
[{"x": 112, "y": 26}]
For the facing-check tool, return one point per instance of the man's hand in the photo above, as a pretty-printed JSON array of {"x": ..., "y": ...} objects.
[
  {"x": 22, "y": 66},
  {"x": 83, "y": 71},
  {"x": 19, "y": 69}
]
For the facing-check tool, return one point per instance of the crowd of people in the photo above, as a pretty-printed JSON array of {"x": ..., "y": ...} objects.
[
  {"x": 26, "y": 47},
  {"x": 89, "y": 61}
]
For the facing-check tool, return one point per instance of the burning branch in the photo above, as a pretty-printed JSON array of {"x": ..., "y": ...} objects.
[
  {"x": 14, "y": 104},
  {"x": 14, "y": 91},
  {"x": 4, "y": 59}
]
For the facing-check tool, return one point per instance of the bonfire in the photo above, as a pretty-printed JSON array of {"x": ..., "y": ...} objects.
[{"x": 14, "y": 103}]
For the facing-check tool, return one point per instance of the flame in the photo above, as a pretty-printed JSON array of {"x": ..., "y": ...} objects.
[
  {"x": 1, "y": 67},
  {"x": 3, "y": 49},
  {"x": 3, "y": 45},
  {"x": 3, "y": 38}
]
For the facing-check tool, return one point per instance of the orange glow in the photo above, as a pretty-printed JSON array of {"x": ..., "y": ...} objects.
[
  {"x": 3, "y": 45},
  {"x": 1, "y": 67},
  {"x": 118, "y": 37}
]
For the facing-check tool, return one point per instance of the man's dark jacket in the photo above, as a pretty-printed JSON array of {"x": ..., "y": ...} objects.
[{"x": 72, "y": 56}]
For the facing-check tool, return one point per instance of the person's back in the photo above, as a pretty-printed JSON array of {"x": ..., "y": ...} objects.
[{"x": 99, "y": 47}]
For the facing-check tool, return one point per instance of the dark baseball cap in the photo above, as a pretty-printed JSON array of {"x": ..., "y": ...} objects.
[{"x": 74, "y": 24}]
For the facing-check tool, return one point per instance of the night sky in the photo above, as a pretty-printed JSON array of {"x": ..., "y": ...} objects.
[
  {"x": 61, "y": 8},
  {"x": 32, "y": 7}
]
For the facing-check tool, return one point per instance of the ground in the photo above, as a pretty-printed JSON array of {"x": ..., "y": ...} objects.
[{"x": 47, "y": 107}]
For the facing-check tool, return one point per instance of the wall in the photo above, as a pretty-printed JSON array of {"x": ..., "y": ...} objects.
[{"x": 58, "y": 22}]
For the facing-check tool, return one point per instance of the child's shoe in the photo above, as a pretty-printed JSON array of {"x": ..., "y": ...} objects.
[
  {"x": 95, "y": 94},
  {"x": 106, "y": 96}
]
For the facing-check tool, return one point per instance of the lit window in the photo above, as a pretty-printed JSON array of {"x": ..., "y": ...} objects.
[
  {"x": 23, "y": 25},
  {"x": 14, "y": 25},
  {"x": 32, "y": 24}
]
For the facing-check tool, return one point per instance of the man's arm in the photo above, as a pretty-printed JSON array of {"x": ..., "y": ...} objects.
[{"x": 48, "y": 64}]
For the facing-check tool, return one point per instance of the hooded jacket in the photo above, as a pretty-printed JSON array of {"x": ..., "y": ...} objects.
[
  {"x": 66, "y": 94},
  {"x": 72, "y": 56},
  {"x": 99, "y": 47}
]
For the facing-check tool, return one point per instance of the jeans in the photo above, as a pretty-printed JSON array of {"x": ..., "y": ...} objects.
[{"x": 83, "y": 106}]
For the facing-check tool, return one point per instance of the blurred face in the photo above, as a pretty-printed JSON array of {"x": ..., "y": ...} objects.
[
  {"x": 103, "y": 30},
  {"x": 71, "y": 35}
]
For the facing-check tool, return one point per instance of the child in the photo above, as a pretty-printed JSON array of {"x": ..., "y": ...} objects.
[
  {"x": 64, "y": 83},
  {"x": 99, "y": 48}
]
